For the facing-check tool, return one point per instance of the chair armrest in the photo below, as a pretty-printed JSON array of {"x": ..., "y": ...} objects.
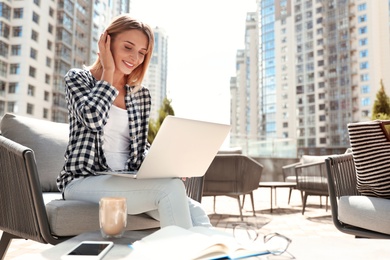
[
  {"x": 341, "y": 173},
  {"x": 22, "y": 209},
  {"x": 312, "y": 177},
  {"x": 289, "y": 170},
  {"x": 251, "y": 174}
]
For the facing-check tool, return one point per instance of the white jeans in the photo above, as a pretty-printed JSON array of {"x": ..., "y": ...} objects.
[{"x": 163, "y": 199}]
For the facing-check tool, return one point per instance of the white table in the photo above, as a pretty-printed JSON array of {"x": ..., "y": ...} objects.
[
  {"x": 273, "y": 185},
  {"x": 319, "y": 248}
]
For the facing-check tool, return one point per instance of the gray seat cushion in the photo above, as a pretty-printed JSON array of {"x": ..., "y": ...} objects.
[
  {"x": 72, "y": 217},
  {"x": 370, "y": 213}
]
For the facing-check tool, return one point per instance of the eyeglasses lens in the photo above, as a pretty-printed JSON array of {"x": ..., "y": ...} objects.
[
  {"x": 245, "y": 234},
  {"x": 276, "y": 244}
]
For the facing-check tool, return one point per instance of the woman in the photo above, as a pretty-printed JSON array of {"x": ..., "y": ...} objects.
[{"x": 108, "y": 115}]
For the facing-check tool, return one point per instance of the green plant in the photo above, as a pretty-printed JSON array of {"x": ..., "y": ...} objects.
[
  {"x": 381, "y": 107},
  {"x": 154, "y": 125}
]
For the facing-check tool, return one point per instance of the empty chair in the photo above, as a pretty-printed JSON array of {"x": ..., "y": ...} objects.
[{"x": 232, "y": 175}]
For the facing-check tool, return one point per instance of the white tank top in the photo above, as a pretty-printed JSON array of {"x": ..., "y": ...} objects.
[{"x": 116, "y": 138}]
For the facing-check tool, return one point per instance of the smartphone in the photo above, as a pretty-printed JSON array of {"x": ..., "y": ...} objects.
[{"x": 92, "y": 250}]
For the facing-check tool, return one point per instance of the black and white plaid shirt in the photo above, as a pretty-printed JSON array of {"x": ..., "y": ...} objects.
[{"x": 89, "y": 101}]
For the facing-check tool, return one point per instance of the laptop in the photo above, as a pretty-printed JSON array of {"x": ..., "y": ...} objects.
[{"x": 182, "y": 148}]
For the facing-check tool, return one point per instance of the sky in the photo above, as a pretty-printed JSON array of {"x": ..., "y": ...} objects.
[{"x": 203, "y": 39}]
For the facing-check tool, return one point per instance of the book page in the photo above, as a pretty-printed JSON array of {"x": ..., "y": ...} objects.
[{"x": 173, "y": 242}]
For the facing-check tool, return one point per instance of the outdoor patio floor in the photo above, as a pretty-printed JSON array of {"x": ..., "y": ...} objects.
[{"x": 313, "y": 234}]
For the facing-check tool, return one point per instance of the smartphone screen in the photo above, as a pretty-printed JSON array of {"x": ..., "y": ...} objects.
[{"x": 89, "y": 249}]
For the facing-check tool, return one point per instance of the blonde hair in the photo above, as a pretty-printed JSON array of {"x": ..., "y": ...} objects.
[{"x": 123, "y": 23}]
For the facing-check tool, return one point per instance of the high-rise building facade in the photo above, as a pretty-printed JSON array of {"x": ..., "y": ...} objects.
[
  {"x": 320, "y": 67},
  {"x": 156, "y": 76},
  {"x": 244, "y": 87}
]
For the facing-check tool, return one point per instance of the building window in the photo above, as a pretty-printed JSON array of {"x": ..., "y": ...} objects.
[
  {"x": 45, "y": 113},
  {"x": 31, "y": 90},
  {"x": 47, "y": 79},
  {"x": 46, "y": 95},
  {"x": 11, "y": 107},
  {"x": 362, "y": 18},
  {"x": 48, "y": 62},
  {"x": 363, "y": 53},
  {"x": 362, "y": 7},
  {"x": 5, "y": 11},
  {"x": 3, "y": 49},
  {"x": 30, "y": 109},
  {"x": 364, "y": 77},
  {"x": 50, "y": 28},
  {"x": 37, "y": 2},
  {"x": 13, "y": 87},
  {"x": 363, "y": 42},
  {"x": 32, "y": 72},
  {"x": 15, "y": 68},
  {"x": 363, "y": 30},
  {"x": 3, "y": 68},
  {"x": 2, "y": 88},
  {"x": 33, "y": 53},
  {"x": 16, "y": 50},
  {"x": 17, "y": 31},
  {"x": 49, "y": 45},
  {"x": 51, "y": 12},
  {"x": 364, "y": 65},
  {"x": 322, "y": 140},
  {"x": 18, "y": 13},
  {"x": 366, "y": 101},
  {"x": 4, "y": 30},
  {"x": 35, "y": 18},
  {"x": 34, "y": 35},
  {"x": 365, "y": 89},
  {"x": 322, "y": 118}
]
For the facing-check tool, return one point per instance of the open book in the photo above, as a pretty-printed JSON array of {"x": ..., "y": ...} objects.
[{"x": 174, "y": 242}]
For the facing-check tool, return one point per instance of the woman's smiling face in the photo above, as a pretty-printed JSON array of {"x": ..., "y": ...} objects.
[{"x": 128, "y": 49}]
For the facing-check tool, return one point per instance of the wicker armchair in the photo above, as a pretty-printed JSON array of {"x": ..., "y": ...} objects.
[
  {"x": 312, "y": 181},
  {"x": 232, "y": 175},
  {"x": 310, "y": 176},
  {"x": 352, "y": 213}
]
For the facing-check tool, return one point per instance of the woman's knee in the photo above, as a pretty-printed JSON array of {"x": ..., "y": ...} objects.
[{"x": 175, "y": 186}]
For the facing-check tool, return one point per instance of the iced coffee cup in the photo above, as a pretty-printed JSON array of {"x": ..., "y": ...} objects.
[{"x": 112, "y": 216}]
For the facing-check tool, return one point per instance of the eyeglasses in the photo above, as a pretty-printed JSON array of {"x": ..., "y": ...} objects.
[{"x": 275, "y": 243}]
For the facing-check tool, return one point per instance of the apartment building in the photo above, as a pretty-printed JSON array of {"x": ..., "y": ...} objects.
[
  {"x": 244, "y": 86},
  {"x": 320, "y": 67},
  {"x": 156, "y": 76},
  {"x": 27, "y": 40}
]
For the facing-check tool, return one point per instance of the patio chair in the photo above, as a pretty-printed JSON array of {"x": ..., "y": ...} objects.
[
  {"x": 352, "y": 213},
  {"x": 232, "y": 175},
  {"x": 310, "y": 176}
]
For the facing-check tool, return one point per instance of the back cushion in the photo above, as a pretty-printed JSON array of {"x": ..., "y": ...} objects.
[
  {"x": 370, "y": 145},
  {"x": 306, "y": 159},
  {"x": 47, "y": 139}
]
